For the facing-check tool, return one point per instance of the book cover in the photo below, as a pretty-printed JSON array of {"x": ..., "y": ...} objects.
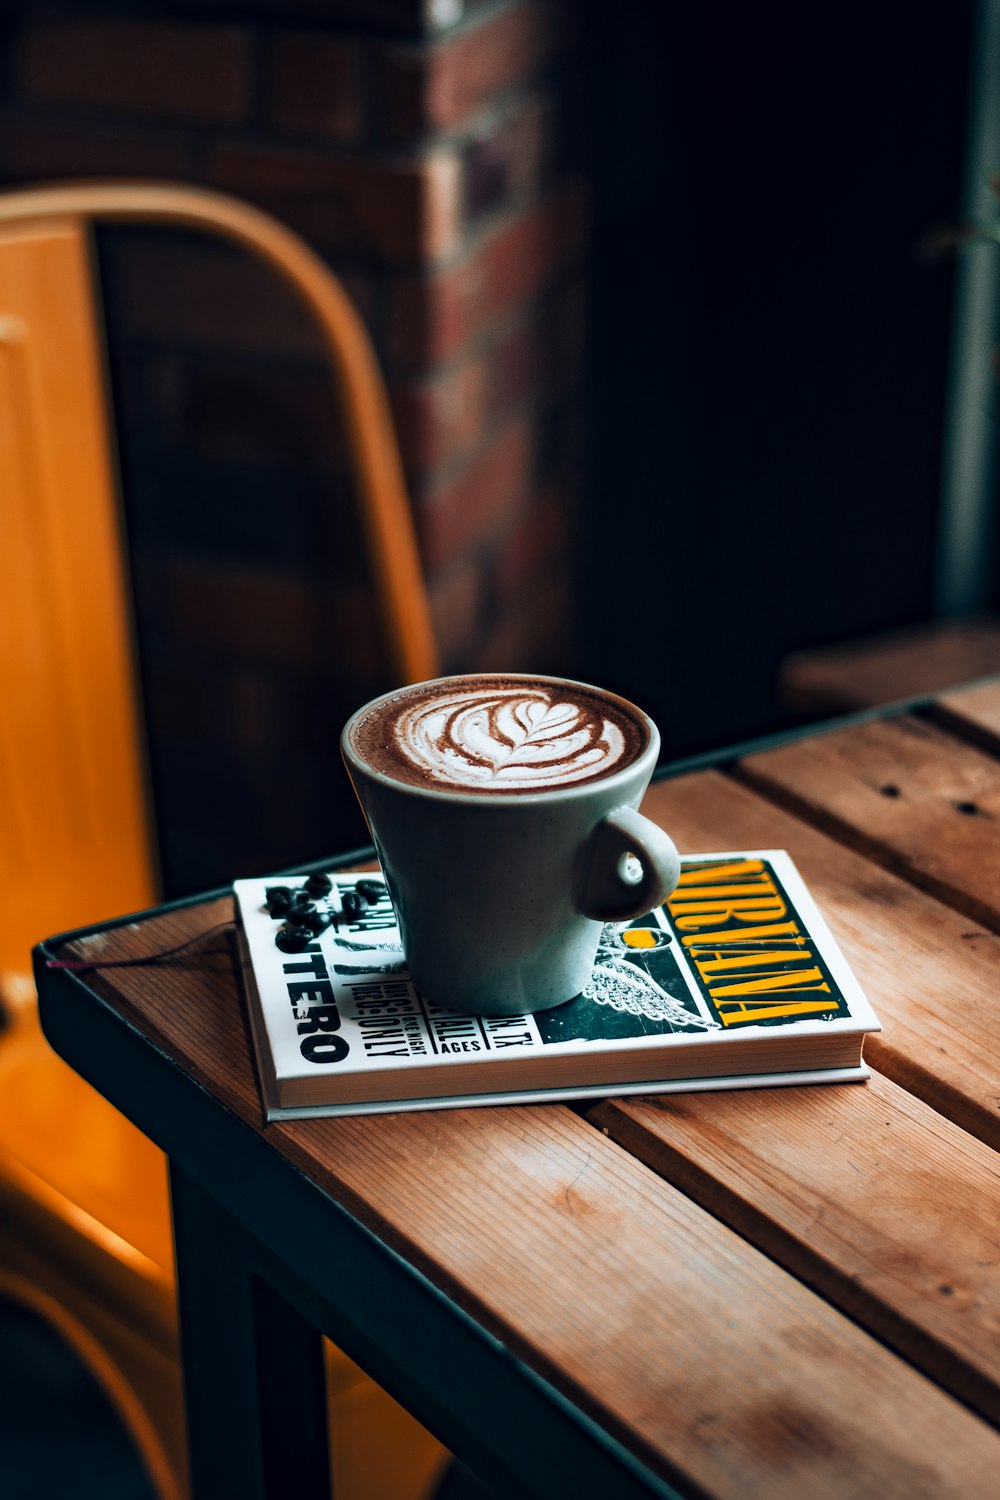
[{"x": 735, "y": 982}]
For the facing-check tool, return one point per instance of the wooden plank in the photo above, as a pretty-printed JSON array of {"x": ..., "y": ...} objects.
[
  {"x": 682, "y": 1340},
  {"x": 930, "y": 973},
  {"x": 973, "y": 714},
  {"x": 908, "y": 795},
  {"x": 866, "y": 1194},
  {"x": 893, "y": 666}
]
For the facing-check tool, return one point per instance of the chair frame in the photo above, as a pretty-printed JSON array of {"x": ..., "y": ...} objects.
[
  {"x": 58, "y": 1222},
  {"x": 373, "y": 452}
]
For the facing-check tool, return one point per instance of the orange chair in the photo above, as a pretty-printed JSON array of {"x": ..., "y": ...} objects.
[{"x": 85, "y": 1233}]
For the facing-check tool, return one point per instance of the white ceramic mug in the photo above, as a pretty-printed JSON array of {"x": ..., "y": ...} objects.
[{"x": 501, "y": 897}]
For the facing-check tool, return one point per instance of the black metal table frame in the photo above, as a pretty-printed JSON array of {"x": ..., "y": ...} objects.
[{"x": 267, "y": 1260}]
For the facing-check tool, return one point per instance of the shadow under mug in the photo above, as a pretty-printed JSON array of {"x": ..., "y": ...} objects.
[{"x": 501, "y": 897}]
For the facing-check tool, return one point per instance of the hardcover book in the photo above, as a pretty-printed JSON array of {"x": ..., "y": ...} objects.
[{"x": 736, "y": 982}]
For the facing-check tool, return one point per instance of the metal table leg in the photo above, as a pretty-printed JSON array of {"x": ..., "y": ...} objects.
[{"x": 253, "y": 1366}]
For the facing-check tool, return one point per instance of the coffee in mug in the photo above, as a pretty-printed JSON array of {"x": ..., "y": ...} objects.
[
  {"x": 502, "y": 808},
  {"x": 498, "y": 735}
]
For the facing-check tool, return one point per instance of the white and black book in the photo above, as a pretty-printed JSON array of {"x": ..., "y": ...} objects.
[{"x": 736, "y": 982}]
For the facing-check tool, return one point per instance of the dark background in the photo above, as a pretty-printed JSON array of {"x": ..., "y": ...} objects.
[
  {"x": 769, "y": 356},
  {"x": 750, "y": 467}
]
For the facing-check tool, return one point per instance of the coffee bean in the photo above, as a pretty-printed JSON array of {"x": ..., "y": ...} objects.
[
  {"x": 278, "y": 898},
  {"x": 292, "y": 938},
  {"x": 352, "y": 903},
  {"x": 317, "y": 921},
  {"x": 300, "y": 904},
  {"x": 319, "y": 885},
  {"x": 372, "y": 890}
]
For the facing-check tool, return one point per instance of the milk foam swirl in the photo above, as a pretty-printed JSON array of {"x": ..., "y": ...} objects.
[{"x": 515, "y": 738}]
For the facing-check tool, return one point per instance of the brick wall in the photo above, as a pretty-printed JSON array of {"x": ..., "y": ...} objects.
[{"x": 430, "y": 152}]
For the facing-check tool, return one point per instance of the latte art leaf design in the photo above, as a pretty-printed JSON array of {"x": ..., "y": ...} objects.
[{"x": 514, "y": 737}]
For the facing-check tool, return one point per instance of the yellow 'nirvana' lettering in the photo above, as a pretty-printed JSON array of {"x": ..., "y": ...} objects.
[
  {"x": 735, "y": 1013},
  {"x": 783, "y": 932},
  {"x": 730, "y": 920},
  {"x": 716, "y": 873},
  {"x": 695, "y": 915},
  {"x": 710, "y": 898},
  {"x": 748, "y": 959},
  {"x": 784, "y": 982}
]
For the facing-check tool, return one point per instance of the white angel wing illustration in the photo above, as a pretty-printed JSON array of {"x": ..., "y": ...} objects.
[{"x": 625, "y": 987}]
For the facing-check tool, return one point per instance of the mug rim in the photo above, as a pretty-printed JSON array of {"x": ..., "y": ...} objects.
[{"x": 649, "y": 753}]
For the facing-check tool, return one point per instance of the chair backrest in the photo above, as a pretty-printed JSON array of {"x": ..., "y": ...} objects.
[{"x": 76, "y": 840}]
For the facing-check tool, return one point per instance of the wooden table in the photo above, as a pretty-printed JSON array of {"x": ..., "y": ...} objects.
[{"x": 789, "y": 1292}]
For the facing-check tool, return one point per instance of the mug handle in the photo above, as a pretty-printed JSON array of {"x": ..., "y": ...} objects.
[{"x": 613, "y": 893}]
